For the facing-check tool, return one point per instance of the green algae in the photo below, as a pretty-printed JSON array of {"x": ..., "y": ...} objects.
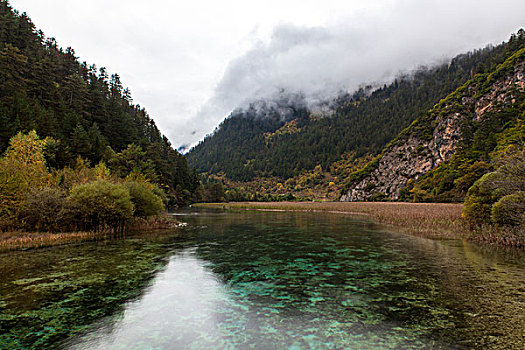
[
  {"x": 263, "y": 280},
  {"x": 52, "y": 294}
]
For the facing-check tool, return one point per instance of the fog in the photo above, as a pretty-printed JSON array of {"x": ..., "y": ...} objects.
[
  {"x": 190, "y": 63},
  {"x": 366, "y": 48}
]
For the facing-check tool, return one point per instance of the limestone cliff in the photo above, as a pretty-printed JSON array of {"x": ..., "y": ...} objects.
[{"x": 433, "y": 138}]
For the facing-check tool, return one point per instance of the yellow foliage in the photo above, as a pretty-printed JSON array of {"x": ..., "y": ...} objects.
[
  {"x": 22, "y": 168},
  {"x": 80, "y": 174},
  {"x": 102, "y": 172},
  {"x": 139, "y": 177}
]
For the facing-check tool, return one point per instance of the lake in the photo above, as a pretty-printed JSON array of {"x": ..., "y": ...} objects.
[{"x": 263, "y": 280}]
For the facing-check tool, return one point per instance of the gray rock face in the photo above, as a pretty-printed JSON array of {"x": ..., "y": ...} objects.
[{"x": 411, "y": 157}]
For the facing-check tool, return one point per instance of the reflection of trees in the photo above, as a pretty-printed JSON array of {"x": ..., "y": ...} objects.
[
  {"x": 51, "y": 294},
  {"x": 481, "y": 287},
  {"x": 496, "y": 284}
]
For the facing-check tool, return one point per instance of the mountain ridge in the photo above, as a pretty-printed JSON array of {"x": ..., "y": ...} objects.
[
  {"x": 433, "y": 139},
  {"x": 286, "y": 154}
]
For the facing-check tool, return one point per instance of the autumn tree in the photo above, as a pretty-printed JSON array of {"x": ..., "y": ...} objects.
[{"x": 22, "y": 168}]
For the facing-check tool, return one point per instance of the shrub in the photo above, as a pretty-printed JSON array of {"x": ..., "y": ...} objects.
[
  {"x": 81, "y": 173},
  {"x": 480, "y": 197},
  {"x": 498, "y": 197},
  {"x": 509, "y": 210},
  {"x": 42, "y": 208},
  {"x": 102, "y": 204},
  {"x": 146, "y": 202},
  {"x": 378, "y": 197}
]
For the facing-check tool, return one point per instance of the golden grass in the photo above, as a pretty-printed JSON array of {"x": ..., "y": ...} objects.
[
  {"x": 433, "y": 220},
  {"x": 28, "y": 240}
]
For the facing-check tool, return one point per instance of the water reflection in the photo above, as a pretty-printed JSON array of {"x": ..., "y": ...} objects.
[
  {"x": 48, "y": 295},
  {"x": 190, "y": 307},
  {"x": 182, "y": 306},
  {"x": 277, "y": 280}
]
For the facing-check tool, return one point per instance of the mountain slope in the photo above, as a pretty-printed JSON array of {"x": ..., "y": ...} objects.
[
  {"x": 444, "y": 151},
  {"x": 46, "y": 88},
  {"x": 250, "y": 143}
]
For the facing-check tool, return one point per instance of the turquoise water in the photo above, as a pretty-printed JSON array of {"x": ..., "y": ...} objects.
[{"x": 264, "y": 280}]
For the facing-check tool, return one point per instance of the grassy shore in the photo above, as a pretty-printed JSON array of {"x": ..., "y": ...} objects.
[
  {"x": 31, "y": 240},
  {"x": 432, "y": 220},
  {"x": 28, "y": 240}
]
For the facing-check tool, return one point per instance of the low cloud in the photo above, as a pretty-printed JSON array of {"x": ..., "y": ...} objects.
[{"x": 363, "y": 48}]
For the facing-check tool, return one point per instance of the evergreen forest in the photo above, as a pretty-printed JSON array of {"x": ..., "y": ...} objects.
[
  {"x": 84, "y": 109},
  {"x": 77, "y": 154},
  {"x": 285, "y": 137}
]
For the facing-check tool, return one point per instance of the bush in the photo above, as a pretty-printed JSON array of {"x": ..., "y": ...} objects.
[
  {"x": 41, "y": 210},
  {"x": 509, "y": 210},
  {"x": 498, "y": 197},
  {"x": 102, "y": 204},
  {"x": 479, "y": 200},
  {"x": 146, "y": 202}
]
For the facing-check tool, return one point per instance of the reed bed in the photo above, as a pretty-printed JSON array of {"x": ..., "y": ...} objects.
[
  {"x": 432, "y": 220},
  {"x": 159, "y": 222},
  {"x": 30, "y": 240},
  {"x": 508, "y": 237}
]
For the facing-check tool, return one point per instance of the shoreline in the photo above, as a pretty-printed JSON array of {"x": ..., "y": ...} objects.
[
  {"x": 430, "y": 220},
  {"x": 438, "y": 221},
  {"x": 10, "y": 241},
  {"x": 34, "y": 240}
]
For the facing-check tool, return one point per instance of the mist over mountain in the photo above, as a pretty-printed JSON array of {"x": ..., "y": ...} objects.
[
  {"x": 287, "y": 134},
  {"x": 365, "y": 48}
]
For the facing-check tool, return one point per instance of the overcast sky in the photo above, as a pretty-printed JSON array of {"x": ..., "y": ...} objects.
[{"x": 189, "y": 63}]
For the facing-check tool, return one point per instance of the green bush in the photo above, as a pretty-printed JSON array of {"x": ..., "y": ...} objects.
[
  {"x": 42, "y": 209},
  {"x": 378, "y": 197},
  {"x": 146, "y": 202},
  {"x": 480, "y": 197},
  {"x": 509, "y": 210},
  {"x": 498, "y": 197},
  {"x": 161, "y": 194},
  {"x": 102, "y": 204}
]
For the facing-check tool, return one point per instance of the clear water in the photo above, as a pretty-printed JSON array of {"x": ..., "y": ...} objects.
[{"x": 264, "y": 280}]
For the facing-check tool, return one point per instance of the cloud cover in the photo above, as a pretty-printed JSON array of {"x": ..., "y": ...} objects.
[
  {"x": 353, "y": 49},
  {"x": 190, "y": 63}
]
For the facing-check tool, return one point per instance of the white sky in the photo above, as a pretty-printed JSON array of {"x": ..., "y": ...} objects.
[{"x": 189, "y": 63}]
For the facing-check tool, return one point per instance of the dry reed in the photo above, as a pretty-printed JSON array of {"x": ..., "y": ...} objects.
[
  {"x": 27, "y": 240},
  {"x": 433, "y": 220}
]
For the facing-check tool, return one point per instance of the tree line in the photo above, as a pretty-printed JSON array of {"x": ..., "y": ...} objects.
[
  {"x": 87, "y": 112},
  {"x": 34, "y": 197},
  {"x": 361, "y": 123}
]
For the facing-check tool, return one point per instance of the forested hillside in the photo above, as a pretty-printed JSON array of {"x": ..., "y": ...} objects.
[
  {"x": 85, "y": 111},
  {"x": 439, "y": 157},
  {"x": 283, "y": 138}
]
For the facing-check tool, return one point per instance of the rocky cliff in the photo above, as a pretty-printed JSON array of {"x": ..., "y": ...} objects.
[{"x": 434, "y": 137}]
